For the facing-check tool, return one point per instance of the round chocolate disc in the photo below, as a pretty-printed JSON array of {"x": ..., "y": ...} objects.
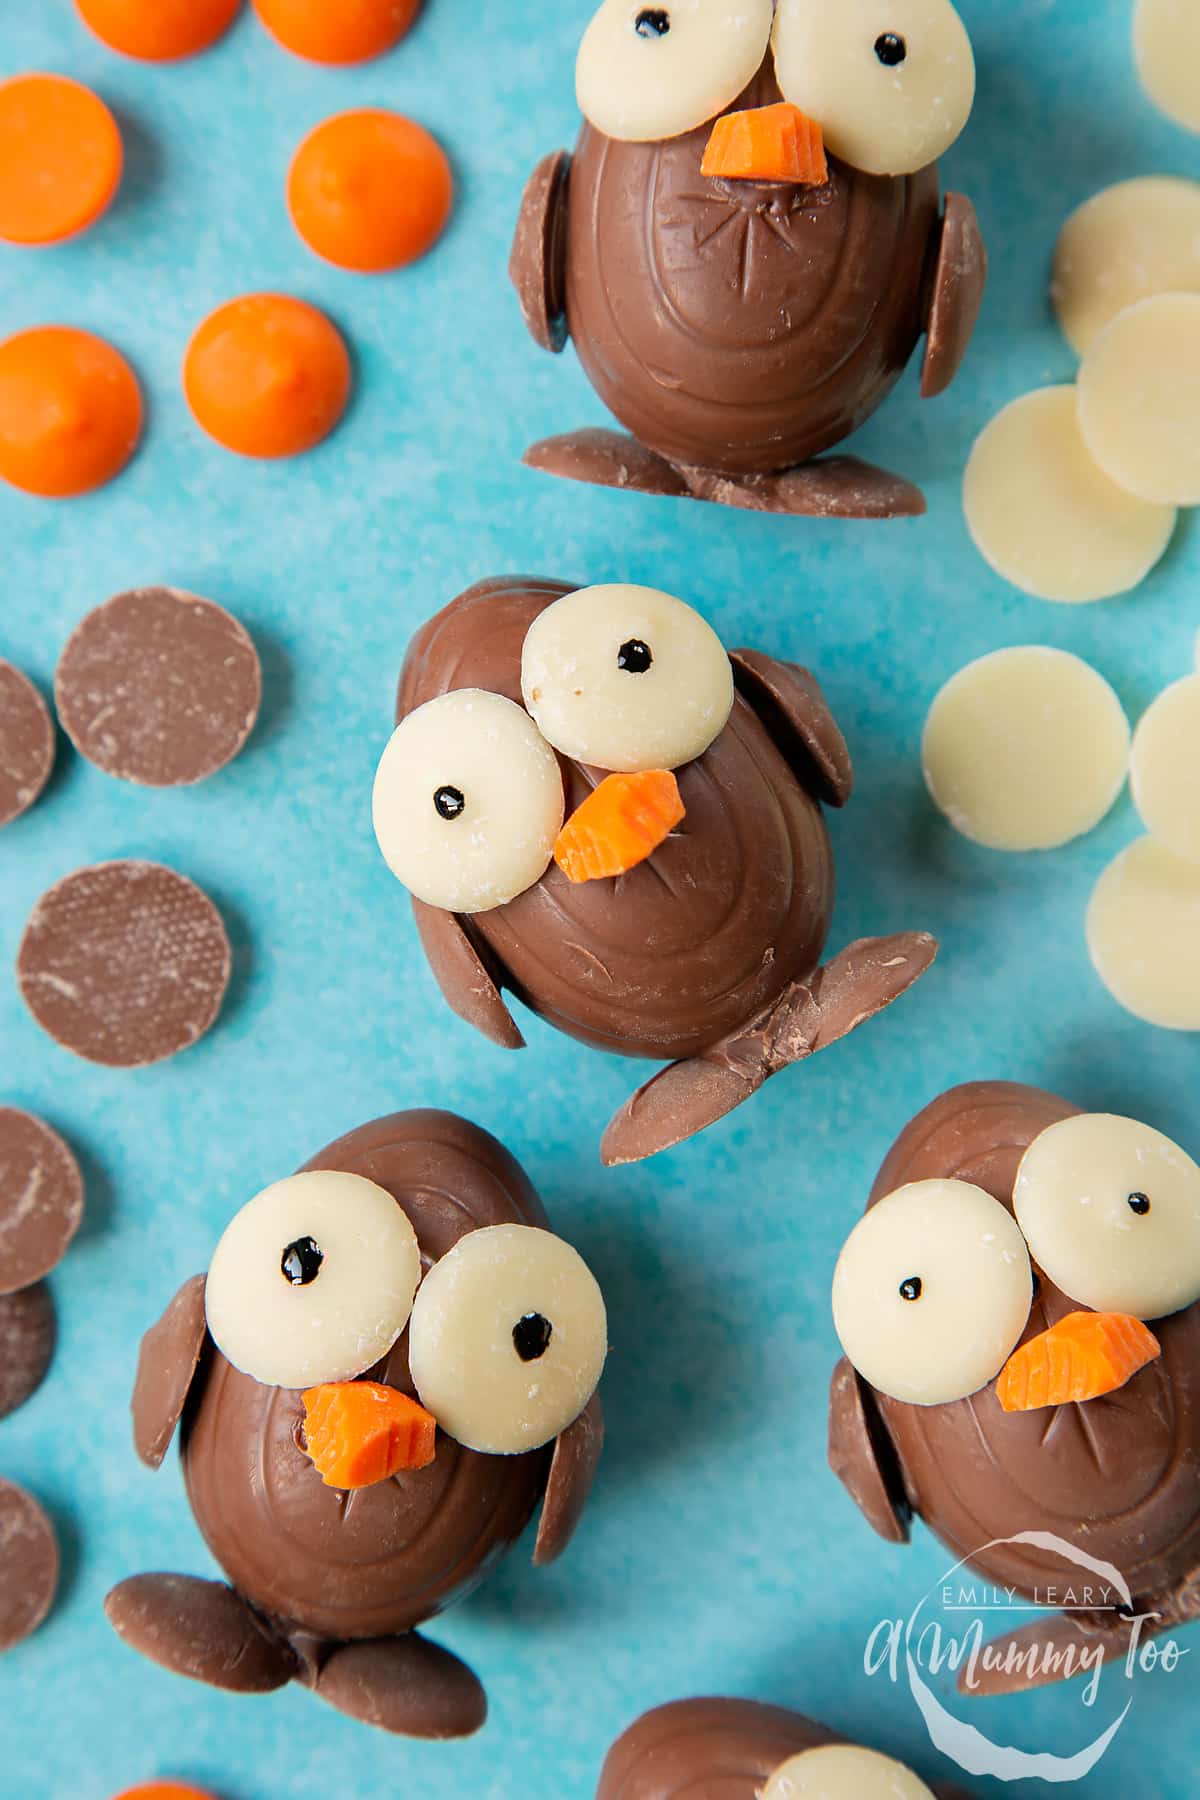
[
  {"x": 159, "y": 687},
  {"x": 41, "y": 1199},
  {"x": 28, "y": 1565},
  {"x": 26, "y": 743},
  {"x": 125, "y": 963},
  {"x": 27, "y": 1333}
]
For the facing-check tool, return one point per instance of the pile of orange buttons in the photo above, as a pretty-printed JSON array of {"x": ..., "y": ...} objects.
[{"x": 266, "y": 375}]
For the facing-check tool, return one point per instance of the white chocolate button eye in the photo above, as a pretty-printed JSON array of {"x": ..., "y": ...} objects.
[
  {"x": 890, "y": 82},
  {"x": 626, "y": 678},
  {"x": 844, "y": 1772},
  {"x": 468, "y": 802},
  {"x": 313, "y": 1280},
  {"x": 932, "y": 1291},
  {"x": 508, "y": 1339},
  {"x": 646, "y": 73},
  {"x": 1111, "y": 1212}
]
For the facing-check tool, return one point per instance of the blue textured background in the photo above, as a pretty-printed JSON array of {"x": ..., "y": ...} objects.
[{"x": 719, "y": 1554}]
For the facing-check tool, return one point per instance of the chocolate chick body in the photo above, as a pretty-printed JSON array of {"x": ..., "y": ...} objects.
[
  {"x": 325, "y": 1587},
  {"x": 711, "y": 1749},
  {"x": 1117, "y": 1476},
  {"x": 739, "y": 329},
  {"x": 707, "y": 953}
]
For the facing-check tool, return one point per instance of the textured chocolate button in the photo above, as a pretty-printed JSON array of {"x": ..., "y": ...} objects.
[
  {"x": 158, "y": 687},
  {"x": 26, "y": 743},
  {"x": 28, "y": 1329},
  {"x": 125, "y": 963},
  {"x": 41, "y": 1199},
  {"x": 28, "y": 1565}
]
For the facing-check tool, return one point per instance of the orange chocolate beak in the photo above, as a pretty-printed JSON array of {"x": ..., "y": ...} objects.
[
  {"x": 619, "y": 825},
  {"x": 767, "y": 143},
  {"x": 359, "y": 1432},
  {"x": 1083, "y": 1356}
]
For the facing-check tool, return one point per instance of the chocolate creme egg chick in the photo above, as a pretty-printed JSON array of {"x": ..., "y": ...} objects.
[
  {"x": 1020, "y": 1312},
  {"x": 712, "y": 1749},
  {"x": 748, "y": 243},
  {"x": 598, "y": 808},
  {"x": 391, "y": 1362}
]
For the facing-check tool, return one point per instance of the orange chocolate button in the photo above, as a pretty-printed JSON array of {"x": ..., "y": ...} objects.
[
  {"x": 164, "y": 1790},
  {"x": 70, "y": 411},
  {"x": 349, "y": 31},
  {"x": 370, "y": 190},
  {"x": 60, "y": 158},
  {"x": 158, "y": 30},
  {"x": 267, "y": 375}
]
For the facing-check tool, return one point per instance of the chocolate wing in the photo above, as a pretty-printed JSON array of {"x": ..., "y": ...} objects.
[
  {"x": 167, "y": 1364},
  {"x": 789, "y": 702},
  {"x": 538, "y": 263}
]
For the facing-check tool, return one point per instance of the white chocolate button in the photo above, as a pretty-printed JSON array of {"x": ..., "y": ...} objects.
[
  {"x": 1143, "y": 927},
  {"x": 626, "y": 678},
  {"x": 1025, "y": 749},
  {"x": 932, "y": 1291},
  {"x": 1139, "y": 399},
  {"x": 1046, "y": 516},
  {"x": 1166, "y": 42},
  {"x": 844, "y": 1772},
  {"x": 1132, "y": 241},
  {"x": 646, "y": 73},
  {"x": 1165, "y": 769},
  {"x": 508, "y": 1339},
  {"x": 1111, "y": 1211},
  {"x": 296, "y": 1333},
  {"x": 468, "y": 802},
  {"x": 890, "y": 82}
]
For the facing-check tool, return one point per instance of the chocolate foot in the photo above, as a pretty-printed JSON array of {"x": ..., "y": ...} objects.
[
  {"x": 685, "y": 1098},
  {"x": 200, "y": 1629},
  {"x": 837, "y": 487},
  {"x": 1052, "y": 1650},
  {"x": 607, "y": 459},
  {"x": 405, "y": 1685}
]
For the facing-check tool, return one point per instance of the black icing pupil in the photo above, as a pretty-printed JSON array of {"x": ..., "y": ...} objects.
[
  {"x": 531, "y": 1336},
  {"x": 634, "y": 657},
  {"x": 890, "y": 49},
  {"x": 652, "y": 21},
  {"x": 1140, "y": 1204},
  {"x": 912, "y": 1288},
  {"x": 450, "y": 802},
  {"x": 301, "y": 1262}
]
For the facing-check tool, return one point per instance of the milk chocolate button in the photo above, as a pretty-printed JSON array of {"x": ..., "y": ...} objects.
[
  {"x": 159, "y": 687},
  {"x": 26, "y": 743},
  {"x": 27, "y": 1332},
  {"x": 125, "y": 963},
  {"x": 200, "y": 1629},
  {"x": 28, "y": 1565},
  {"x": 41, "y": 1199},
  {"x": 167, "y": 1361}
]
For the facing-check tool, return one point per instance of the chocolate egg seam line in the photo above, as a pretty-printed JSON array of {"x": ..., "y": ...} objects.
[{"x": 339, "y": 1576}]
